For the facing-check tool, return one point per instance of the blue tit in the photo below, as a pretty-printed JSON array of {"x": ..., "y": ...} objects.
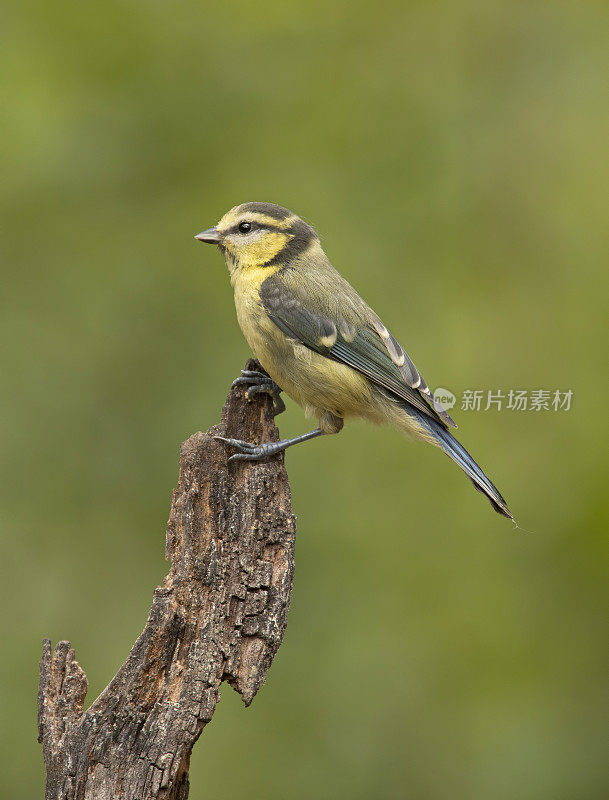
[{"x": 319, "y": 342}]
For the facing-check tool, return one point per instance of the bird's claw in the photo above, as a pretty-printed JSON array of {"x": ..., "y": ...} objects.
[
  {"x": 273, "y": 392},
  {"x": 260, "y": 383},
  {"x": 249, "y": 451},
  {"x": 251, "y": 376}
]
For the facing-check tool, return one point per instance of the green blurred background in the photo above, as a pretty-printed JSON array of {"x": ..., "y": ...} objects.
[{"x": 453, "y": 157}]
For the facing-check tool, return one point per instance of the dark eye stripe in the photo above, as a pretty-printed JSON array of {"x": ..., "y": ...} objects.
[
  {"x": 301, "y": 237},
  {"x": 255, "y": 226}
]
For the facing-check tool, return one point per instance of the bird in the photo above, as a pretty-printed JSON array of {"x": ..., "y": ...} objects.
[{"x": 320, "y": 343}]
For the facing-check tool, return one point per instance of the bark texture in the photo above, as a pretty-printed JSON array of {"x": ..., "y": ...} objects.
[{"x": 220, "y": 615}]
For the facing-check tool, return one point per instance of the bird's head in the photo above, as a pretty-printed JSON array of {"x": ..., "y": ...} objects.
[{"x": 255, "y": 235}]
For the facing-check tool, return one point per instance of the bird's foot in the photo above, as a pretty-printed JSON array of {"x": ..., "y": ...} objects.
[
  {"x": 259, "y": 382},
  {"x": 253, "y": 452}
]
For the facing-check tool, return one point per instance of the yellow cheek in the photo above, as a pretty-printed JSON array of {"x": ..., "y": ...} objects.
[{"x": 262, "y": 250}]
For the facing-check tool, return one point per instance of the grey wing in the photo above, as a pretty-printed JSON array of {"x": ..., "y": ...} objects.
[{"x": 366, "y": 346}]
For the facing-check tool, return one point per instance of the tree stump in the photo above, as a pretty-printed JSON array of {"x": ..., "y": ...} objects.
[{"x": 220, "y": 615}]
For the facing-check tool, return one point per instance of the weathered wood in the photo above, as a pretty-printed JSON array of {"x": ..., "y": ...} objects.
[{"x": 220, "y": 615}]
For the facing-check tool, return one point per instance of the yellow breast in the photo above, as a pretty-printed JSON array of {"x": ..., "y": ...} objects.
[{"x": 315, "y": 382}]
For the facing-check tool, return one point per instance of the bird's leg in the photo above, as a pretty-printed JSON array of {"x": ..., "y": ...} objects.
[
  {"x": 258, "y": 382},
  {"x": 255, "y": 452}
]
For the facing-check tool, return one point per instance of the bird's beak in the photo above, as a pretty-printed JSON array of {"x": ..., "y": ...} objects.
[{"x": 211, "y": 236}]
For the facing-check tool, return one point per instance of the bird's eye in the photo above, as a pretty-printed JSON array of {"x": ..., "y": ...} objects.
[{"x": 245, "y": 227}]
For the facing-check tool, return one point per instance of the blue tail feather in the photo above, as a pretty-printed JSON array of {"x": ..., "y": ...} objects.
[{"x": 460, "y": 456}]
